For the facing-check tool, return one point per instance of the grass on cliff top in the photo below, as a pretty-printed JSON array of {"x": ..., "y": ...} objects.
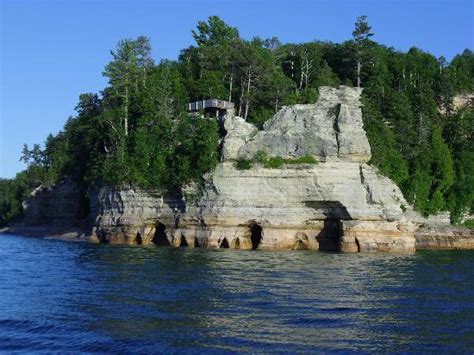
[
  {"x": 469, "y": 223},
  {"x": 262, "y": 158}
]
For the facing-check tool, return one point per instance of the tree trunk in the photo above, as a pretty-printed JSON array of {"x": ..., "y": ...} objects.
[
  {"x": 125, "y": 120},
  {"x": 300, "y": 85},
  {"x": 247, "y": 103},
  {"x": 241, "y": 99}
]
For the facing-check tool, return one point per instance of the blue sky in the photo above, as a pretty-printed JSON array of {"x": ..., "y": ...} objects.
[{"x": 52, "y": 51}]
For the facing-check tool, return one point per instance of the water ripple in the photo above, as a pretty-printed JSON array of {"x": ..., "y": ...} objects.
[{"x": 74, "y": 297}]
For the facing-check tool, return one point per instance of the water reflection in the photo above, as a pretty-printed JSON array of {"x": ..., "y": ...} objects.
[{"x": 140, "y": 299}]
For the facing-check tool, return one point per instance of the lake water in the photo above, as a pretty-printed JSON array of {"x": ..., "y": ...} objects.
[{"x": 57, "y": 296}]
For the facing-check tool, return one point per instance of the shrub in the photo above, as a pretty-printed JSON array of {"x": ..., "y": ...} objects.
[
  {"x": 243, "y": 164},
  {"x": 306, "y": 159},
  {"x": 469, "y": 223},
  {"x": 274, "y": 162},
  {"x": 260, "y": 157}
]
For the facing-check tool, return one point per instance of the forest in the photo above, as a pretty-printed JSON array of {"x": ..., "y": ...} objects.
[{"x": 136, "y": 130}]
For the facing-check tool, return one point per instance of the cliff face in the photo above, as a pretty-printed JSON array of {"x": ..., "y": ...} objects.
[
  {"x": 330, "y": 130},
  {"x": 58, "y": 206},
  {"x": 129, "y": 216},
  {"x": 341, "y": 203}
]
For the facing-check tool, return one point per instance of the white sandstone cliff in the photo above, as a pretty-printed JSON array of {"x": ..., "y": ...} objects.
[{"x": 341, "y": 203}]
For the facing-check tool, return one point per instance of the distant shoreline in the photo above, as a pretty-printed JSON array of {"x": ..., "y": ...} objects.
[{"x": 71, "y": 234}]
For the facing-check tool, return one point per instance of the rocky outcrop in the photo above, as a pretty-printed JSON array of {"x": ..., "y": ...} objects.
[
  {"x": 331, "y": 129},
  {"x": 444, "y": 237},
  {"x": 330, "y": 206},
  {"x": 459, "y": 102},
  {"x": 341, "y": 203},
  {"x": 238, "y": 133},
  {"x": 58, "y": 205},
  {"x": 125, "y": 215}
]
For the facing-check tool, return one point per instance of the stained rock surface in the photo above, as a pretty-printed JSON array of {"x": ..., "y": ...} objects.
[{"x": 341, "y": 203}]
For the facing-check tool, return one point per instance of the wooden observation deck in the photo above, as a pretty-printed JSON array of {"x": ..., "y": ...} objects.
[{"x": 211, "y": 107}]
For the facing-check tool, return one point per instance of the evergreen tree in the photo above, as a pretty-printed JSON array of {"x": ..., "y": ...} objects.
[
  {"x": 361, "y": 35},
  {"x": 136, "y": 132}
]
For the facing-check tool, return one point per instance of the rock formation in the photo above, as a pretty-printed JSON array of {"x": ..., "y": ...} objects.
[
  {"x": 341, "y": 203},
  {"x": 331, "y": 129},
  {"x": 444, "y": 237},
  {"x": 58, "y": 206}
]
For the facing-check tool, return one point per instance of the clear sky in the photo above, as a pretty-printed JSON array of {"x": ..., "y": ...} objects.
[{"x": 52, "y": 51}]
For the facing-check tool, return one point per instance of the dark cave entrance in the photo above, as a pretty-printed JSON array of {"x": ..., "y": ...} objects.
[
  {"x": 237, "y": 243},
  {"x": 160, "y": 237},
  {"x": 330, "y": 235},
  {"x": 183, "y": 242},
  {"x": 224, "y": 244},
  {"x": 196, "y": 242},
  {"x": 255, "y": 235},
  {"x": 138, "y": 239}
]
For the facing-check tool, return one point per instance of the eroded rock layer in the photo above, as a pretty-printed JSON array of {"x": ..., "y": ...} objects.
[{"x": 341, "y": 203}]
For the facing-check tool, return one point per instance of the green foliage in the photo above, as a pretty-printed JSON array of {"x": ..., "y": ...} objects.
[
  {"x": 260, "y": 157},
  {"x": 243, "y": 164},
  {"x": 135, "y": 131},
  {"x": 274, "y": 162},
  {"x": 469, "y": 223},
  {"x": 305, "y": 159},
  {"x": 385, "y": 153},
  {"x": 278, "y": 162}
]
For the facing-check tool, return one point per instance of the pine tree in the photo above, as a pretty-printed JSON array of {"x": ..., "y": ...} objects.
[{"x": 361, "y": 35}]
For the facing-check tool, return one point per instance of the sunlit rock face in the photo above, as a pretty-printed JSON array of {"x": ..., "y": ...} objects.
[
  {"x": 125, "y": 215},
  {"x": 331, "y": 129},
  {"x": 341, "y": 203},
  {"x": 444, "y": 237}
]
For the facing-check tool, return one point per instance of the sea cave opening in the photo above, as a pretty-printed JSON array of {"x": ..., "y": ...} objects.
[
  {"x": 224, "y": 244},
  {"x": 183, "y": 242},
  {"x": 160, "y": 237},
  {"x": 138, "y": 239},
  {"x": 255, "y": 235}
]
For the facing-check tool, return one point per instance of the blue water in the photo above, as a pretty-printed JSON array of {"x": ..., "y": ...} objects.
[{"x": 57, "y": 296}]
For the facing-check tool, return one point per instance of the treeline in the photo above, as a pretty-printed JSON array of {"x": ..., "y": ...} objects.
[{"x": 135, "y": 130}]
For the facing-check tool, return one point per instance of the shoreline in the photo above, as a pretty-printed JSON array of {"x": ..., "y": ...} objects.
[
  {"x": 69, "y": 234},
  {"x": 427, "y": 238}
]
